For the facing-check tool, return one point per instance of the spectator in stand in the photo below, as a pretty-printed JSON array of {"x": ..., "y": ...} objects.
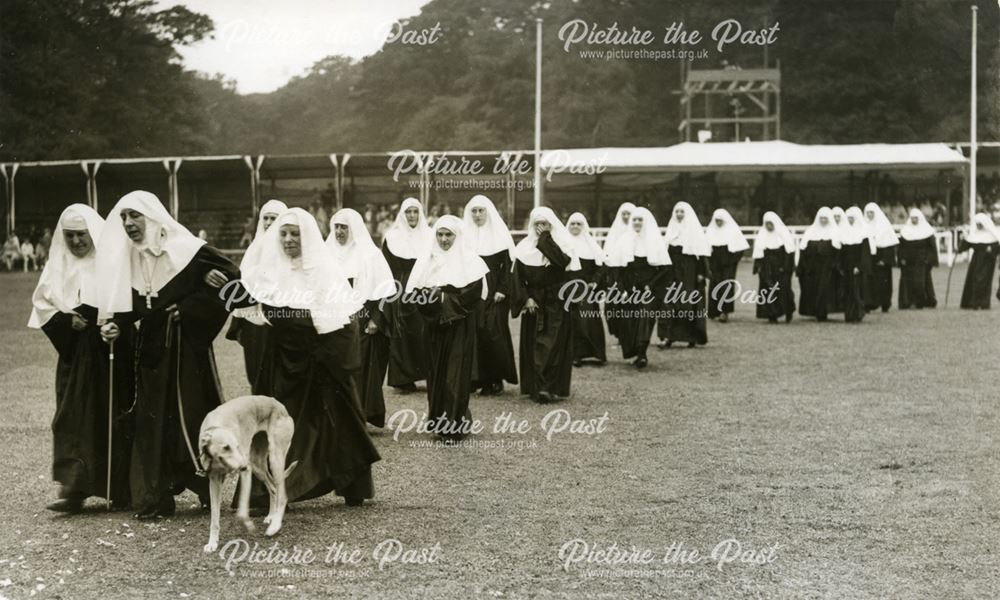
[
  {"x": 249, "y": 227},
  {"x": 11, "y": 252},
  {"x": 28, "y": 255},
  {"x": 42, "y": 247}
]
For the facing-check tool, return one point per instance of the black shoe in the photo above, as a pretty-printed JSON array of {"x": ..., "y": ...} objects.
[
  {"x": 577, "y": 363},
  {"x": 408, "y": 388},
  {"x": 351, "y": 501},
  {"x": 885, "y": 309},
  {"x": 788, "y": 318},
  {"x": 166, "y": 508},
  {"x": 664, "y": 344},
  {"x": 690, "y": 344},
  {"x": 71, "y": 506},
  {"x": 543, "y": 397},
  {"x": 772, "y": 320},
  {"x": 724, "y": 318},
  {"x": 640, "y": 363}
]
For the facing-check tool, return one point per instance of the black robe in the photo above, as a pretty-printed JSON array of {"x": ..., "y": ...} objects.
[
  {"x": 878, "y": 285},
  {"x": 450, "y": 336},
  {"x": 722, "y": 265},
  {"x": 637, "y": 318},
  {"x": 685, "y": 310},
  {"x": 819, "y": 264},
  {"x": 854, "y": 256},
  {"x": 979, "y": 278},
  {"x": 494, "y": 344},
  {"x": 612, "y": 276},
  {"x": 253, "y": 339},
  {"x": 774, "y": 284},
  {"x": 161, "y": 461},
  {"x": 374, "y": 350},
  {"x": 80, "y": 423},
  {"x": 316, "y": 377},
  {"x": 546, "y": 348},
  {"x": 588, "y": 330},
  {"x": 405, "y": 328},
  {"x": 916, "y": 259}
]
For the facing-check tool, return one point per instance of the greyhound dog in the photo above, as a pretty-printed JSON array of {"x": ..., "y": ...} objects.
[{"x": 244, "y": 435}]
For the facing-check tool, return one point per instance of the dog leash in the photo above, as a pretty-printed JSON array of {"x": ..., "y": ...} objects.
[{"x": 180, "y": 410}]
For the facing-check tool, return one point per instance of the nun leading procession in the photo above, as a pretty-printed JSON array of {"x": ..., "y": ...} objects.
[{"x": 132, "y": 306}]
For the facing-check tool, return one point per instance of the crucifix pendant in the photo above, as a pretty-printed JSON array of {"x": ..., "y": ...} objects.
[{"x": 150, "y": 294}]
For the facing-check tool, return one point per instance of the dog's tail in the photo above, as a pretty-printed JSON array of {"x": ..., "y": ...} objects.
[{"x": 291, "y": 468}]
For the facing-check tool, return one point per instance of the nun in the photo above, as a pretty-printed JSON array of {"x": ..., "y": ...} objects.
[
  {"x": 620, "y": 226},
  {"x": 840, "y": 224},
  {"x": 643, "y": 262},
  {"x": 450, "y": 280},
  {"x": 879, "y": 285},
  {"x": 161, "y": 281},
  {"x": 917, "y": 256},
  {"x": 371, "y": 279},
  {"x": 588, "y": 332},
  {"x": 487, "y": 233},
  {"x": 774, "y": 263},
  {"x": 315, "y": 360},
  {"x": 406, "y": 239},
  {"x": 819, "y": 263},
  {"x": 984, "y": 243},
  {"x": 544, "y": 261},
  {"x": 247, "y": 326},
  {"x": 857, "y": 247},
  {"x": 64, "y": 308},
  {"x": 728, "y": 246},
  {"x": 685, "y": 299}
]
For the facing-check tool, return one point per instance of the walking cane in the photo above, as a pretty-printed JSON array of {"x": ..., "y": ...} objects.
[
  {"x": 111, "y": 407},
  {"x": 947, "y": 289}
]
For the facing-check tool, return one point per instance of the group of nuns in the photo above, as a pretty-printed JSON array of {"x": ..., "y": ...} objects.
[{"x": 133, "y": 304}]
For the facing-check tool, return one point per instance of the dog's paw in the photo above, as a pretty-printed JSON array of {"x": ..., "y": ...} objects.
[
  {"x": 248, "y": 523},
  {"x": 267, "y": 519},
  {"x": 273, "y": 528},
  {"x": 210, "y": 547}
]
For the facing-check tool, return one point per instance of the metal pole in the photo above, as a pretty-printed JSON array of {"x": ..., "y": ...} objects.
[
  {"x": 972, "y": 123},
  {"x": 538, "y": 113}
]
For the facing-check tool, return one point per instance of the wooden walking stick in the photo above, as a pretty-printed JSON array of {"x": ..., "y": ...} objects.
[{"x": 111, "y": 408}]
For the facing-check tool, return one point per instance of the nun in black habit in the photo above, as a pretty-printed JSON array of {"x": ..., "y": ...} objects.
[
  {"x": 686, "y": 300},
  {"x": 488, "y": 235},
  {"x": 917, "y": 258},
  {"x": 774, "y": 263},
  {"x": 450, "y": 283},
  {"x": 544, "y": 262},
  {"x": 984, "y": 243},
  {"x": 819, "y": 266},
  {"x": 315, "y": 361},
  {"x": 64, "y": 308},
  {"x": 588, "y": 335}
]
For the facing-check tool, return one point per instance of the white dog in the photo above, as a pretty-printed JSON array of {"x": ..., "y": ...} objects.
[{"x": 247, "y": 434}]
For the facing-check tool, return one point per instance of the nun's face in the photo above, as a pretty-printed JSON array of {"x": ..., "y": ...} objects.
[
  {"x": 542, "y": 225},
  {"x": 850, "y": 219},
  {"x": 80, "y": 244},
  {"x": 979, "y": 225},
  {"x": 720, "y": 223},
  {"x": 637, "y": 224},
  {"x": 291, "y": 240},
  {"x": 445, "y": 238},
  {"x": 914, "y": 219},
  {"x": 679, "y": 214},
  {"x": 479, "y": 216},
  {"x": 412, "y": 215},
  {"x": 340, "y": 233},
  {"x": 824, "y": 221},
  {"x": 836, "y": 218},
  {"x": 267, "y": 219},
  {"x": 870, "y": 215},
  {"x": 135, "y": 225},
  {"x": 768, "y": 225},
  {"x": 626, "y": 215},
  {"x": 575, "y": 227}
]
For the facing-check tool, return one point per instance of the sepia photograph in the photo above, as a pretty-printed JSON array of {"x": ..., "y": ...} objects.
[{"x": 499, "y": 299}]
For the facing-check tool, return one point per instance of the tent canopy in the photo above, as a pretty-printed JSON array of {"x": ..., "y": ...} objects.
[{"x": 755, "y": 156}]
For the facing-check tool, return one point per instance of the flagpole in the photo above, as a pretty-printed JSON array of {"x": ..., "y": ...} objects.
[
  {"x": 972, "y": 123},
  {"x": 538, "y": 113}
]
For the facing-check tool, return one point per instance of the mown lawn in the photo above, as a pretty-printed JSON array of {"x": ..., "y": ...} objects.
[{"x": 867, "y": 453}]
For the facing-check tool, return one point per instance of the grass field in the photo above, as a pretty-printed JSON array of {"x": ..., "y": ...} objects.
[{"x": 867, "y": 453}]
